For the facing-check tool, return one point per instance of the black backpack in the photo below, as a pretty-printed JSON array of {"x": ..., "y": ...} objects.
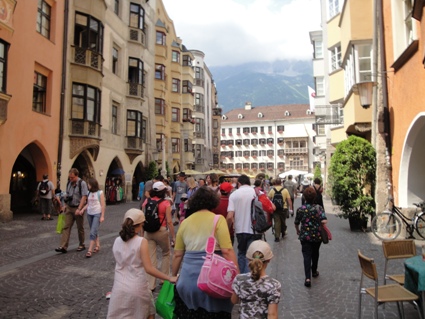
[
  {"x": 260, "y": 219},
  {"x": 318, "y": 200},
  {"x": 278, "y": 199},
  {"x": 152, "y": 223},
  {"x": 44, "y": 188}
]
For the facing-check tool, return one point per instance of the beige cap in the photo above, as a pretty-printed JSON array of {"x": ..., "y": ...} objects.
[
  {"x": 136, "y": 215},
  {"x": 262, "y": 247}
]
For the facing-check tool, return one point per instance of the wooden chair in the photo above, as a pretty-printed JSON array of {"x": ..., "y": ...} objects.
[
  {"x": 397, "y": 249},
  {"x": 382, "y": 294}
]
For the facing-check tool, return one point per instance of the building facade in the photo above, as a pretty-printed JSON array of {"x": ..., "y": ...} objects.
[
  {"x": 31, "y": 39},
  {"x": 268, "y": 139}
]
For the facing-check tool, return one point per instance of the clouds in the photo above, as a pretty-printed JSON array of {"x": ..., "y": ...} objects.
[{"x": 232, "y": 32}]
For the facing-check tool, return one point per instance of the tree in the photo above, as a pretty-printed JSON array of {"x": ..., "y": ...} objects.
[
  {"x": 352, "y": 178},
  {"x": 317, "y": 172},
  {"x": 152, "y": 170}
]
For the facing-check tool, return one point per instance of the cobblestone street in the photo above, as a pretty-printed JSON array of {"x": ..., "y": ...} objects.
[{"x": 37, "y": 282}]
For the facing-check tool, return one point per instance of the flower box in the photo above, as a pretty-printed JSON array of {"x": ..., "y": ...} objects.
[
  {"x": 262, "y": 133},
  {"x": 280, "y": 168},
  {"x": 254, "y": 169},
  {"x": 280, "y": 132},
  {"x": 270, "y": 144},
  {"x": 270, "y": 156},
  {"x": 254, "y": 156},
  {"x": 238, "y": 168},
  {"x": 280, "y": 155},
  {"x": 238, "y": 134},
  {"x": 246, "y": 169},
  {"x": 270, "y": 132},
  {"x": 270, "y": 168},
  {"x": 262, "y": 168},
  {"x": 254, "y": 133},
  {"x": 246, "y": 156}
]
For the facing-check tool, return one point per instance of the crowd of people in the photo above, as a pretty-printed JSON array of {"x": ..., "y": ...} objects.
[{"x": 184, "y": 213}]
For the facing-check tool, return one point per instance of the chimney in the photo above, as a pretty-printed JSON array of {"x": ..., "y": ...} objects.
[{"x": 248, "y": 106}]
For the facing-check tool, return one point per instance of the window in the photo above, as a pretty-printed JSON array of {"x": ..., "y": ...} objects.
[
  {"x": 318, "y": 49},
  {"x": 188, "y": 144},
  {"x": 161, "y": 38},
  {"x": 254, "y": 141},
  {"x": 254, "y": 153},
  {"x": 3, "y": 65},
  {"x": 281, "y": 166},
  {"x": 280, "y": 128},
  {"x": 270, "y": 166},
  {"x": 321, "y": 129},
  {"x": 88, "y": 33},
  {"x": 230, "y": 131},
  {"x": 262, "y": 166},
  {"x": 262, "y": 129},
  {"x": 215, "y": 123},
  {"x": 215, "y": 141},
  {"x": 270, "y": 129},
  {"x": 114, "y": 119},
  {"x": 223, "y": 131},
  {"x": 199, "y": 73},
  {"x": 239, "y": 142},
  {"x": 238, "y": 166},
  {"x": 175, "y": 145},
  {"x": 137, "y": 16},
  {"x": 254, "y": 129},
  {"x": 238, "y": 154},
  {"x": 187, "y": 60},
  {"x": 280, "y": 153},
  {"x": 187, "y": 114},
  {"x": 333, "y": 8},
  {"x": 270, "y": 153},
  {"x": 175, "y": 56},
  {"x": 159, "y": 106},
  {"x": 175, "y": 114},
  {"x": 223, "y": 142},
  {"x": 199, "y": 125},
  {"x": 270, "y": 141},
  {"x": 296, "y": 162},
  {"x": 230, "y": 166},
  {"x": 199, "y": 99},
  {"x": 365, "y": 63},
  {"x": 159, "y": 72},
  {"x": 39, "y": 93},
  {"x": 135, "y": 71},
  {"x": 254, "y": 166},
  {"x": 231, "y": 142},
  {"x": 187, "y": 87},
  {"x": 358, "y": 67},
  {"x": 335, "y": 54},
  {"x": 175, "y": 86},
  {"x": 280, "y": 140},
  {"x": 115, "y": 61},
  {"x": 246, "y": 153},
  {"x": 238, "y": 131},
  {"x": 246, "y": 142},
  {"x": 144, "y": 129},
  {"x": 246, "y": 130},
  {"x": 262, "y": 141},
  {"x": 85, "y": 102},
  {"x": 320, "y": 86},
  {"x": 134, "y": 123},
  {"x": 117, "y": 7},
  {"x": 43, "y": 18}
]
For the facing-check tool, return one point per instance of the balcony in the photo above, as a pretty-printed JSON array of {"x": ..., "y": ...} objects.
[
  {"x": 199, "y": 82},
  {"x": 298, "y": 150},
  {"x": 217, "y": 111},
  {"x": 84, "y": 135},
  {"x": 134, "y": 147},
  {"x": 87, "y": 57},
  {"x": 199, "y": 108},
  {"x": 199, "y": 134},
  {"x": 135, "y": 89},
  {"x": 137, "y": 35}
]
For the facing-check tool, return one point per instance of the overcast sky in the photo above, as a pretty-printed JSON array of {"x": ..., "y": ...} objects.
[{"x": 232, "y": 32}]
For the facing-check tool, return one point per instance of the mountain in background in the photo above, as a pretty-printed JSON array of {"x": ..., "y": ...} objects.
[{"x": 263, "y": 83}]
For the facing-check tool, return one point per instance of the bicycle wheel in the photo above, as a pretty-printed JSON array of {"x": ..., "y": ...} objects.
[
  {"x": 420, "y": 225},
  {"x": 386, "y": 225}
]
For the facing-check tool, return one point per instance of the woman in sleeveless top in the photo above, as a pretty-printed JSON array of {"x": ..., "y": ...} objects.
[{"x": 131, "y": 296}]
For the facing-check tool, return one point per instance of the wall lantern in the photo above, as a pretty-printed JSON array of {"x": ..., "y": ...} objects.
[{"x": 365, "y": 90}]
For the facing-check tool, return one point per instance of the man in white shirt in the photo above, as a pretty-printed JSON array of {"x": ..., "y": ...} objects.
[{"x": 239, "y": 213}]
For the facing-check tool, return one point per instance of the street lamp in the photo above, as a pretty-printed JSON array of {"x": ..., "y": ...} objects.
[{"x": 365, "y": 90}]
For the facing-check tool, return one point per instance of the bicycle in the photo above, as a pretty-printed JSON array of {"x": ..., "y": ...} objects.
[{"x": 387, "y": 224}]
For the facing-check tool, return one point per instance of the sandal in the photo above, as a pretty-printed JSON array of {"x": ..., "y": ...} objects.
[
  {"x": 81, "y": 248},
  {"x": 96, "y": 249},
  {"x": 88, "y": 254}
]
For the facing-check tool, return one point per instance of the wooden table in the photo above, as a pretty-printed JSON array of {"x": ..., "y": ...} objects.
[{"x": 415, "y": 279}]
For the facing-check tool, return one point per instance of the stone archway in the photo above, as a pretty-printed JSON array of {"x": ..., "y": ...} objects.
[
  {"x": 411, "y": 188},
  {"x": 138, "y": 176},
  {"x": 84, "y": 165}
]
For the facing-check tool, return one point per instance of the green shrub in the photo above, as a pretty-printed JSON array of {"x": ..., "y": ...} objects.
[{"x": 352, "y": 177}]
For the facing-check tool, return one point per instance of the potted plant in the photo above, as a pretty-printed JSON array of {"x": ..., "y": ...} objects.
[{"x": 352, "y": 180}]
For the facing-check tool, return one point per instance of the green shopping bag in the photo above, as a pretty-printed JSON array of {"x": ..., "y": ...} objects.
[
  {"x": 165, "y": 302},
  {"x": 61, "y": 223}
]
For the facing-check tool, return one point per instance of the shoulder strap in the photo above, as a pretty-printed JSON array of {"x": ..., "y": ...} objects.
[
  {"x": 216, "y": 217},
  {"x": 210, "y": 245}
]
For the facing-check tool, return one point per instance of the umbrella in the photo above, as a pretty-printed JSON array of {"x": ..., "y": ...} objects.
[
  {"x": 293, "y": 172},
  {"x": 214, "y": 171},
  {"x": 118, "y": 171},
  {"x": 190, "y": 172}
]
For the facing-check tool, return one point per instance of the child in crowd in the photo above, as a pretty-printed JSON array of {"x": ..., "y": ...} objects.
[
  {"x": 183, "y": 206},
  {"x": 258, "y": 294}
]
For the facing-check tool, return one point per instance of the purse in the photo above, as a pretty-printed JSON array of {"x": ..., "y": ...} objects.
[
  {"x": 217, "y": 273},
  {"x": 61, "y": 223},
  {"x": 325, "y": 233},
  {"x": 165, "y": 302}
]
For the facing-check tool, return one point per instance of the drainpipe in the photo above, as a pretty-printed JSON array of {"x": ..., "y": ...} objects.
[{"x": 63, "y": 86}]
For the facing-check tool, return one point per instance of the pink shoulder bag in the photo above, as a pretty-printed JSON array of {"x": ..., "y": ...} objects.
[{"x": 217, "y": 273}]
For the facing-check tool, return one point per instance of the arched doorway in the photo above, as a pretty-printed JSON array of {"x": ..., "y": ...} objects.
[
  {"x": 412, "y": 170},
  {"x": 23, "y": 179},
  {"x": 115, "y": 182},
  {"x": 83, "y": 164},
  {"x": 138, "y": 176}
]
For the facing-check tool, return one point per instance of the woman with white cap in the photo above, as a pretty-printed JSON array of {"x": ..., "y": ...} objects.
[
  {"x": 257, "y": 293},
  {"x": 131, "y": 296}
]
